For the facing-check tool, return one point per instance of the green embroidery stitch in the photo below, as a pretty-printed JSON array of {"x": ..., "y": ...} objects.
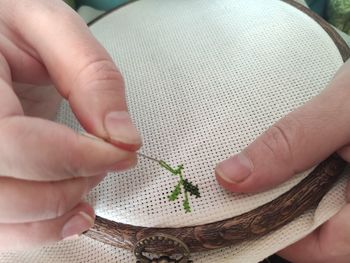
[
  {"x": 175, "y": 193},
  {"x": 183, "y": 185},
  {"x": 186, "y": 186}
]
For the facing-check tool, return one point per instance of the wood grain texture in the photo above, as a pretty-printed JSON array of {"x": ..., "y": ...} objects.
[
  {"x": 251, "y": 225},
  {"x": 256, "y": 223}
]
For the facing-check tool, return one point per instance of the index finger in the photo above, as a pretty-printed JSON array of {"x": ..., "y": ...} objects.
[{"x": 80, "y": 67}]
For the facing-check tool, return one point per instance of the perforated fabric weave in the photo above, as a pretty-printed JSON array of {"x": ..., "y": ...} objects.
[
  {"x": 87, "y": 250},
  {"x": 203, "y": 80}
]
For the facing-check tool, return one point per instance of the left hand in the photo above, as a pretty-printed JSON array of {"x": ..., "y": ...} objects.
[
  {"x": 297, "y": 142},
  {"x": 46, "y": 168}
]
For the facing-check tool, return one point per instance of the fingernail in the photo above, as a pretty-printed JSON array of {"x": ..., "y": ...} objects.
[
  {"x": 235, "y": 169},
  {"x": 74, "y": 237},
  {"x": 121, "y": 129},
  {"x": 77, "y": 225}
]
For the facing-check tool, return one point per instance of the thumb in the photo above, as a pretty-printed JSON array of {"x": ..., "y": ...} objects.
[{"x": 295, "y": 143}]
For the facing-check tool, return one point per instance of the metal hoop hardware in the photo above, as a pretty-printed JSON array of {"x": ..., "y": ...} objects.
[{"x": 180, "y": 252}]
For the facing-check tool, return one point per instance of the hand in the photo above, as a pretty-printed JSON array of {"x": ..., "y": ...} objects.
[
  {"x": 47, "y": 168},
  {"x": 295, "y": 143}
]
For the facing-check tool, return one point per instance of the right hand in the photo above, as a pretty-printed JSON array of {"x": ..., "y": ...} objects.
[
  {"x": 297, "y": 142},
  {"x": 46, "y": 168}
]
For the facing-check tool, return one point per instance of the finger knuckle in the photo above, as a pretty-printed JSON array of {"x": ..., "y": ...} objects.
[
  {"x": 73, "y": 164},
  {"x": 56, "y": 201},
  {"x": 98, "y": 70},
  {"x": 280, "y": 139}
]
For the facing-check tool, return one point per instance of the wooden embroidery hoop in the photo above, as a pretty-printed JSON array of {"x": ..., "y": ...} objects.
[{"x": 251, "y": 225}]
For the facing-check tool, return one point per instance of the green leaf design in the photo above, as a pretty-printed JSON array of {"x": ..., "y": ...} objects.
[
  {"x": 188, "y": 187},
  {"x": 175, "y": 193},
  {"x": 192, "y": 189},
  {"x": 186, "y": 205}
]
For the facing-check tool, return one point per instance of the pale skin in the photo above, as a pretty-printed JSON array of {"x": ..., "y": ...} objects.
[
  {"x": 295, "y": 143},
  {"x": 47, "y": 52},
  {"x": 46, "y": 168}
]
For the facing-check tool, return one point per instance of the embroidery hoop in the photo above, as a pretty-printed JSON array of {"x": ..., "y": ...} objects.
[{"x": 253, "y": 224}]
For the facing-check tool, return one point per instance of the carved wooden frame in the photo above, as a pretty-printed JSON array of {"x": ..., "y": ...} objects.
[{"x": 251, "y": 225}]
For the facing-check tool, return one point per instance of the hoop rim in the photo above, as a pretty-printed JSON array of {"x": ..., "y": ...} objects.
[{"x": 253, "y": 224}]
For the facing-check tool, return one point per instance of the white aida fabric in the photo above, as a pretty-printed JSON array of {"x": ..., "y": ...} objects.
[{"x": 203, "y": 80}]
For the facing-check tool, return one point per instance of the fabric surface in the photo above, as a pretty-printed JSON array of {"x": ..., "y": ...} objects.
[
  {"x": 203, "y": 80},
  {"x": 204, "y": 98}
]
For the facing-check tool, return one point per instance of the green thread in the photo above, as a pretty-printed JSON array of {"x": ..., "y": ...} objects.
[
  {"x": 175, "y": 193},
  {"x": 183, "y": 185},
  {"x": 192, "y": 189}
]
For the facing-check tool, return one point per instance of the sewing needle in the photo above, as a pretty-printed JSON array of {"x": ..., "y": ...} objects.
[
  {"x": 138, "y": 153},
  {"x": 148, "y": 157}
]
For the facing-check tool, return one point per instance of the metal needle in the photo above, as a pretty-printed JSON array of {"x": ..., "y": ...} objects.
[
  {"x": 148, "y": 157},
  {"x": 138, "y": 153}
]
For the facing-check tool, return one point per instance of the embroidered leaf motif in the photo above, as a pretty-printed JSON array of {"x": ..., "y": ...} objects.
[
  {"x": 175, "y": 193},
  {"x": 183, "y": 185}
]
